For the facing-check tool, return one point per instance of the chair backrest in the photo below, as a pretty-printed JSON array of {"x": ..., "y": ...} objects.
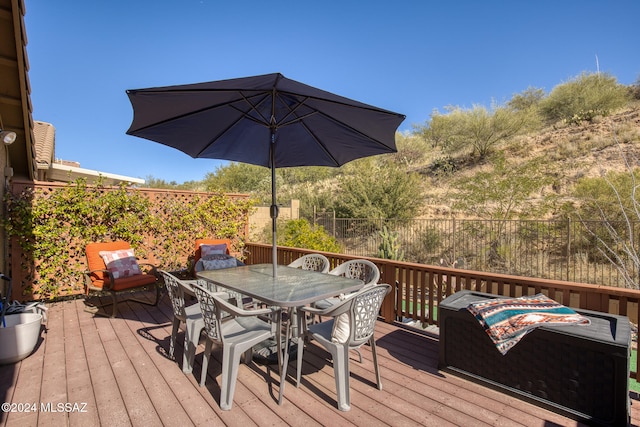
[
  {"x": 212, "y": 314},
  {"x": 96, "y": 262},
  {"x": 174, "y": 287},
  {"x": 364, "y": 311},
  {"x": 313, "y": 262},
  {"x": 361, "y": 269},
  {"x": 199, "y": 242}
]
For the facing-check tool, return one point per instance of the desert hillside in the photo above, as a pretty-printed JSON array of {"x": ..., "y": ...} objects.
[{"x": 571, "y": 151}]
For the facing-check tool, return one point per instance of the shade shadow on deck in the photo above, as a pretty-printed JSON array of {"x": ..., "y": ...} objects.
[{"x": 121, "y": 370}]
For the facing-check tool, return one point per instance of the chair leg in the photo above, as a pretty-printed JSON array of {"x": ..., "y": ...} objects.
[
  {"x": 230, "y": 363},
  {"x": 114, "y": 313},
  {"x": 95, "y": 309},
  {"x": 158, "y": 294},
  {"x": 299, "y": 361},
  {"x": 155, "y": 301},
  {"x": 114, "y": 303},
  {"x": 191, "y": 339},
  {"x": 205, "y": 361},
  {"x": 341, "y": 374},
  {"x": 174, "y": 337},
  {"x": 375, "y": 362},
  {"x": 248, "y": 356},
  {"x": 188, "y": 354}
]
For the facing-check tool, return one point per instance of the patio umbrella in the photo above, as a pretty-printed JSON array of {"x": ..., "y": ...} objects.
[{"x": 265, "y": 120}]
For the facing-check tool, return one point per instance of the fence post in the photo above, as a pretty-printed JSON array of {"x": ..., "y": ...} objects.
[
  {"x": 568, "y": 247},
  {"x": 334, "y": 224},
  {"x": 453, "y": 227}
]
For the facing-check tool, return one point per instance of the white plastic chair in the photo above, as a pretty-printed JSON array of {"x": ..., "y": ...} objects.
[
  {"x": 237, "y": 335},
  {"x": 313, "y": 262},
  {"x": 190, "y": 315},
  {"x": 352, "y": 325},
  {"x": 361, "y": 269}
]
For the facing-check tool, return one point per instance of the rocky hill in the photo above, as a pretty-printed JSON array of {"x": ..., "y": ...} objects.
[{"x": 571, "y": 151}]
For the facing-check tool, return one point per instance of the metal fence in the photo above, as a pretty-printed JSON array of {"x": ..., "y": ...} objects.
[{"x": 559, "y": 250}]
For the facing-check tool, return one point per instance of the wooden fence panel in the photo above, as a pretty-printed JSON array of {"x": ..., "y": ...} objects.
[{"x": 24, "y": 269}]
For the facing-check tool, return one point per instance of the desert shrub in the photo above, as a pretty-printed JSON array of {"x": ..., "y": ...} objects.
[
  {"x": 372, "y": 188},
  {"x": 426, "y": 247},
  {"x": 299, "y": 233},
  {"x": 584, "y": 98},
  {"x": 443, "y": 166},
  {"x": 476, "y": 131},
  {"x": 527, "y": 105},
  {"x": 634, "y": 89}
]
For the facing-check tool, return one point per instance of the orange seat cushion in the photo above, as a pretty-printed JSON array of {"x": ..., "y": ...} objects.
[{"x": 133, "y": 281}]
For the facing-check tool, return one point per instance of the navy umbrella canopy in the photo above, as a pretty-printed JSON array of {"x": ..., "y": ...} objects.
[{"x": 265, "y": 120}]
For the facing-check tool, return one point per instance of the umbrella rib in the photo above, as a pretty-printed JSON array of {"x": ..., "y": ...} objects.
[
  {"x": 211, "y": 107},
  {"x": 292, "y": 111},
  {"x": 300, "y": 119},
  {"x": 361, "y": 105},
  {"x": 265, "y": 121},
  {"x": 324, "y": 148},
  {"x": 212, "y": 141},
  {"x": 370, "y": 138},
  {"x": 244, "y": 115},
  {"x": 297, "y": 119},
  {"x": 335, "y": 120}
]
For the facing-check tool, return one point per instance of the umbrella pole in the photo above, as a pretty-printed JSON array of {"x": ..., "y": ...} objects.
[{"x": 274, "y": 206}]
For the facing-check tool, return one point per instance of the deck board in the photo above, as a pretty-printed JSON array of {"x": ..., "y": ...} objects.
[{"x": 121, "y": 370}]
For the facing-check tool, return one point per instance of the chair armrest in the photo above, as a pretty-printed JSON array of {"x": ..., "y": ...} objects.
[
  {"x": 241, "y": 312},
  {"x": 110, "y": 280},
  {"x": 152, "y": 268},
  {"x": 183, "y": 274},
  {"x": 109, "y": 276},
  {"x": 333, "y": 311},
  {"x": 312, "y": 310}
]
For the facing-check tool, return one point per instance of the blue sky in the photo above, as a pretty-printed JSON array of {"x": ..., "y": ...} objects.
[{"x": 406, "y": 56}]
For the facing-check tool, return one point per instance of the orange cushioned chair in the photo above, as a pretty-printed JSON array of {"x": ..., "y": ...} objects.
[
  {"x": 200, "y": 242},
  {"x": 100, "y": 278},
  {"x": 198, "y": 252}
]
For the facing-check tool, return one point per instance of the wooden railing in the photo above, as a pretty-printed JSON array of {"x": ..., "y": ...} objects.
[{"x": 419, "y": 288}]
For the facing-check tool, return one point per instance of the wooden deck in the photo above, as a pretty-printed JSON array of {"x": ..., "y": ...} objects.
[{"x": 115, "y": 372}]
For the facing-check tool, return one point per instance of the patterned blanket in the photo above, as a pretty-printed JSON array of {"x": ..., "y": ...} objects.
[{"x": 506, "y": 321}]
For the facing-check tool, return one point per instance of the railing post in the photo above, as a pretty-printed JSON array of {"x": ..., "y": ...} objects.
[{"x": 388, "y": 308}]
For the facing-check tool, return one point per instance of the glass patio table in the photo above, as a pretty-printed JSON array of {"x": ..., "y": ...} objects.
[{"x": 291, "y": 288}]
